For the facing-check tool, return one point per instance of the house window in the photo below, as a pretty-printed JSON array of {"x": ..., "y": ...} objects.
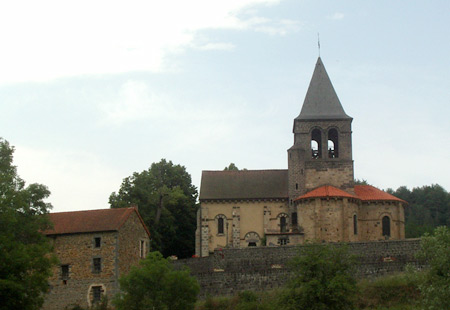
[
  {"x": 97, "y": 242},
  {"x": 355, "y": 224},
  {"x": 282, "y": 241},
  {"x": 96, "y": 294},
  {"x": 386, "y": 226},
  {"x": 97, "y": 265},
  {"x": 65, "y": 271},
  {"x": 142, "y": 249}
]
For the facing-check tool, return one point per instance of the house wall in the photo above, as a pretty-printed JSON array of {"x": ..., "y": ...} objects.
[
  {"x": 119, "y": 251},
  {"x": 78, "y": 251},
  {"x": 130, "y": 236}
]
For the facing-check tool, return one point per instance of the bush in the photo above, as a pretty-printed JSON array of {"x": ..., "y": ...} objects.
[
  {"x": 154, "y": 284},
  {"x": 435, "y": 289},
  {"x": 323, "y": 279}
]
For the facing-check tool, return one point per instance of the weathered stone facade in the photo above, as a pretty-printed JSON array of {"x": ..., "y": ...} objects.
[
  {"x": 92, "y": 259},
  {"x": 314, "y": 199}
]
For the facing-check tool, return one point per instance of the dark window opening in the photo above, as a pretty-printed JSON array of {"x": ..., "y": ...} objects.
[
  {"x": 97, "y": 242},
  {"x": 142, "y": 249},
  {"x": 220, "y": 228},
  {"x": 283, "y": 224},
  {"x": 296, "y": 185},
  {"x": 283, "y": 241},
  {"x": 294, "y": 219},
  {"x": 355, "y": 224},
  {"x": 333, "y": 145},
  {"x": 252, "y": 244},
  {"x": 316, "y": 144},
  {"x": 97, "y": 262},
  {"x": 386, "y": 226},
  {"x": 96, "y": 294},
  {"x": 65, "y": 271}
]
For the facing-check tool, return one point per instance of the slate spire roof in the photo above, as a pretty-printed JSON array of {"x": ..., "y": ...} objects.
[{"x": 321, "y": 101}]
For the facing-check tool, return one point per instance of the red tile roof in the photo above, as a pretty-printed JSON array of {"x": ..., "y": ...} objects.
[
  {"x": 90, "y": 221},
  {"x": 370, "y": 193},
  {"x": 325, "y": 191}
]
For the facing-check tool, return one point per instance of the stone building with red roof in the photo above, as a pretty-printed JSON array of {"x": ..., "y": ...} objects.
[
  {"x": 314, "y": 199},
  {"x": 94, "y": 249}
]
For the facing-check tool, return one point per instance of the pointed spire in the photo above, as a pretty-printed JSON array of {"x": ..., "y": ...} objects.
[{"x": 321, "y": 101}]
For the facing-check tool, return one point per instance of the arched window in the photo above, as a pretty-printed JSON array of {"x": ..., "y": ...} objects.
[
  {"x": 386, "y": 224},
  {"x": 220, "y": 220},
  {"x": 252, "y": 238},
  {"x": 355, "y": 224},
  {"x": 316, "y": 144},
  {"x": 333, "y": 145},
  {"x": 282, "y": 224}
]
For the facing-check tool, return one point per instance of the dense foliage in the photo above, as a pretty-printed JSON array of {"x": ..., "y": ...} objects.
[
  {"x": 428, "y": 207},
  {"x": 435, "y": 249},
  {"x": 167, "y": 202},
  {"x": 25, "y": 262},
  {"x": 323, "y": 279},
  {"x": 154, "y": 284}
]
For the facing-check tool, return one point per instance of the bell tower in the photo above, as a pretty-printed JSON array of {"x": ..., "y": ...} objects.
[{"x": 322, "y": 150}]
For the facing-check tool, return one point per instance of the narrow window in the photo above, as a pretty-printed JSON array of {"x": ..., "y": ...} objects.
[
  {"x": 296, "y": 185},
  {"x": 97, "y": 265},
  {"x": 142, "y": 248},
  {"x": 386, "y": 224},
  {"x": 96, "y": 294},
  {"x": 333, "y": 145},
  {"x": 220, "y": 227},
  {"x": 282, "y": 224},
  {"x": 97, "y": 242},
  {"x": 316, "y": 144},
  {"x": 294, "y": 219},
  {"x": 65, "y": 272},
  {"x": 355, "y": 224}
]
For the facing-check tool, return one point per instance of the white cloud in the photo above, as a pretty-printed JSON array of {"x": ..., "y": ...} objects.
[
  {"x": 337, "y": 16},
  {"x": 216, "y": 46},
  {"x": 46, "y": 39}
]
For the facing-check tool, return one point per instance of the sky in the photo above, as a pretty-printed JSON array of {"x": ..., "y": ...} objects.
[{"x": 92, "y": 91}]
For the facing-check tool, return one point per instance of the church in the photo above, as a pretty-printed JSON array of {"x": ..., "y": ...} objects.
[{"x": 315, "y": 199}]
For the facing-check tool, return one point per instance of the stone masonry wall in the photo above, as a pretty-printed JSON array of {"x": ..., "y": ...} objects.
[
  {"x": 229, "y": 271},
  {"x": 78, "y": 251}
]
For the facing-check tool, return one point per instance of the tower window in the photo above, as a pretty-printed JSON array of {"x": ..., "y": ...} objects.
[
  {"x": 386, "y": 226},
  {"x": 294, "y": 219},
  {"x": 316, "y": 144},
  {"x": 97, "y": 265},
  {"x": 355, "y": 224},
  {"x": 333, "y": 145}
]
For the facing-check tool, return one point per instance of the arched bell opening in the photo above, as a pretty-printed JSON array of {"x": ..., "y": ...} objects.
[
  {"x": 333, "y": 145},
  {"x": 316, "y": 144}
]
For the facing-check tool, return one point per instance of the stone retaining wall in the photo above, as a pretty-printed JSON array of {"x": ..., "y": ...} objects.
[{"x": 228, "y": 271}]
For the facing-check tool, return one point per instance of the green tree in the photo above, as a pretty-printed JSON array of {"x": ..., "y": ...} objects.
[
  {"x": 167, "y": 202},
  {"x": 25, "y": 260},
  {"x": 323, "y": 279},
  {"x": 231, "y": 167},
  {"x": 429, "y": 207},
  {"x": 154, "y": 284},
  {"x": 435, "y": 249}
]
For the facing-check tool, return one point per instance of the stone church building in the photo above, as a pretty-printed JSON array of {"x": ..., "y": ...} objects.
[{"x": 314, "y": 199}]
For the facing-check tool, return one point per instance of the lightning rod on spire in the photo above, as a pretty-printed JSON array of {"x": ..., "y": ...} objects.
[{"x": 318, "y": 42}]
